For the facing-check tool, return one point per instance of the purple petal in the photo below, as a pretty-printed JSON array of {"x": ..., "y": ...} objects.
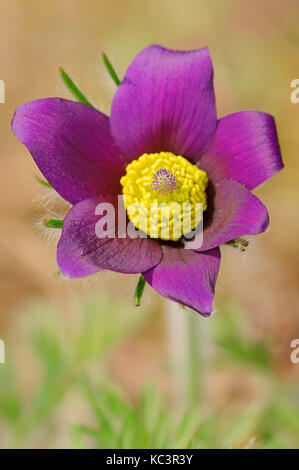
[
  {"x": 80, "y": 252},
  {"x": 186, "y": 277},
  {"x": 245, "y": 148},
  {"x": 166, "y": 102},
  {"x": 72, "y": 146},
  {"x": 232, "y": 213}
]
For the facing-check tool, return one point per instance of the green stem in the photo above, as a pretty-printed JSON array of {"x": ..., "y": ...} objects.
[
  {"x": 73, "y": 88},
  {"x": 194, "y": 358},
  {"x": 110, "y": 69},
  {"x": 139, "y": 290}
]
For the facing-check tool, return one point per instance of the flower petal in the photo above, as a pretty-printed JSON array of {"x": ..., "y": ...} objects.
[
  {"x": 72, "y": 146},
  {"x": 186, "y": 277},
  {"x": 81, "y": 252},
  {"x": 245, "y": 148},
  {"x": 166, "y": 102},
  {"x": 232, "y": 212}
]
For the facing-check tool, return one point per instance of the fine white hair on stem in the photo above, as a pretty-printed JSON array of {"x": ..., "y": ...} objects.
[
  {"x": 47, "y": 197},
  {"x": 92, "y": 280},
  {"x": 215, "y": 310},
  {"x": 54, "y": 208},
  {"x": 254, "y": 247},
  {"x": 49, "y": 235},
  {"x": 55, "y": 271}
]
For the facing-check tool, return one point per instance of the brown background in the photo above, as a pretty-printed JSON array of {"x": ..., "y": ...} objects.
[{"x": 254, "y": 46}]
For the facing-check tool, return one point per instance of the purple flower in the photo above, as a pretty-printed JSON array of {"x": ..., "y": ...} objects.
[{"x": 165, "y": 106}]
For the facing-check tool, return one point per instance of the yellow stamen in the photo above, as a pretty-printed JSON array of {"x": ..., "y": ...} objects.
[{"x": 159, "y": 189}]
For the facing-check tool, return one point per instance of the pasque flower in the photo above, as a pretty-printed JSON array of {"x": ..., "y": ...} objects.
[{"x": 162, "y": 139}]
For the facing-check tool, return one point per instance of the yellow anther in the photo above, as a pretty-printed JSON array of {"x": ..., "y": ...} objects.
[{"x": 156, "y": 189}]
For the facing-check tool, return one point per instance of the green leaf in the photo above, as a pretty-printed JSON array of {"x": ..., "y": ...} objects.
[
  {"x": 44, "y": 183},
  {"x": 151, "y": 407},
  {"x": 53, "y": 223},
  {"x": 73, "y": 88},
  {"x": 187, "y": 429},
  {"x": 110, "y": 69},
  {"x": 139, "y": 291}
]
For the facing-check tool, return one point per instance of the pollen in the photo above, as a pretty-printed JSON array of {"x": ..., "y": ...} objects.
[{"x": 164, "y": 195}]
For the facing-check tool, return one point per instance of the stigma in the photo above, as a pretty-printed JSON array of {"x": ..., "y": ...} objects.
[{"x": 164, "y": 181}]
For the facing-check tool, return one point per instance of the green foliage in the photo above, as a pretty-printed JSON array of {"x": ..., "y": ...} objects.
[
  {"x": 110, "y": 69},
  {"x": 64, "y": 354},
  {"x": 10, "y": 402},
  {"x": 44, "y": 183},
  {"x": 153, "y": 423},
  {"x": 230, "y": 335},
  {"x": 53, "y": 223},
  {"x": 72, "y": 87},
  {"x": 149, "y": 424},
  {"x": 67, "y": 355},
  {"x": 139, "y": 291}
]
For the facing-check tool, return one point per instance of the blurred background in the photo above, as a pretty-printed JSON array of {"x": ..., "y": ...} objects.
[{"x": 84, "y": 367}]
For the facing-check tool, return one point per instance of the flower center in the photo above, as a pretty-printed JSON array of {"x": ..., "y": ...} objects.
[
  {"x": 164, "y": 194},
  {"x": 164, "y": 181}
]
